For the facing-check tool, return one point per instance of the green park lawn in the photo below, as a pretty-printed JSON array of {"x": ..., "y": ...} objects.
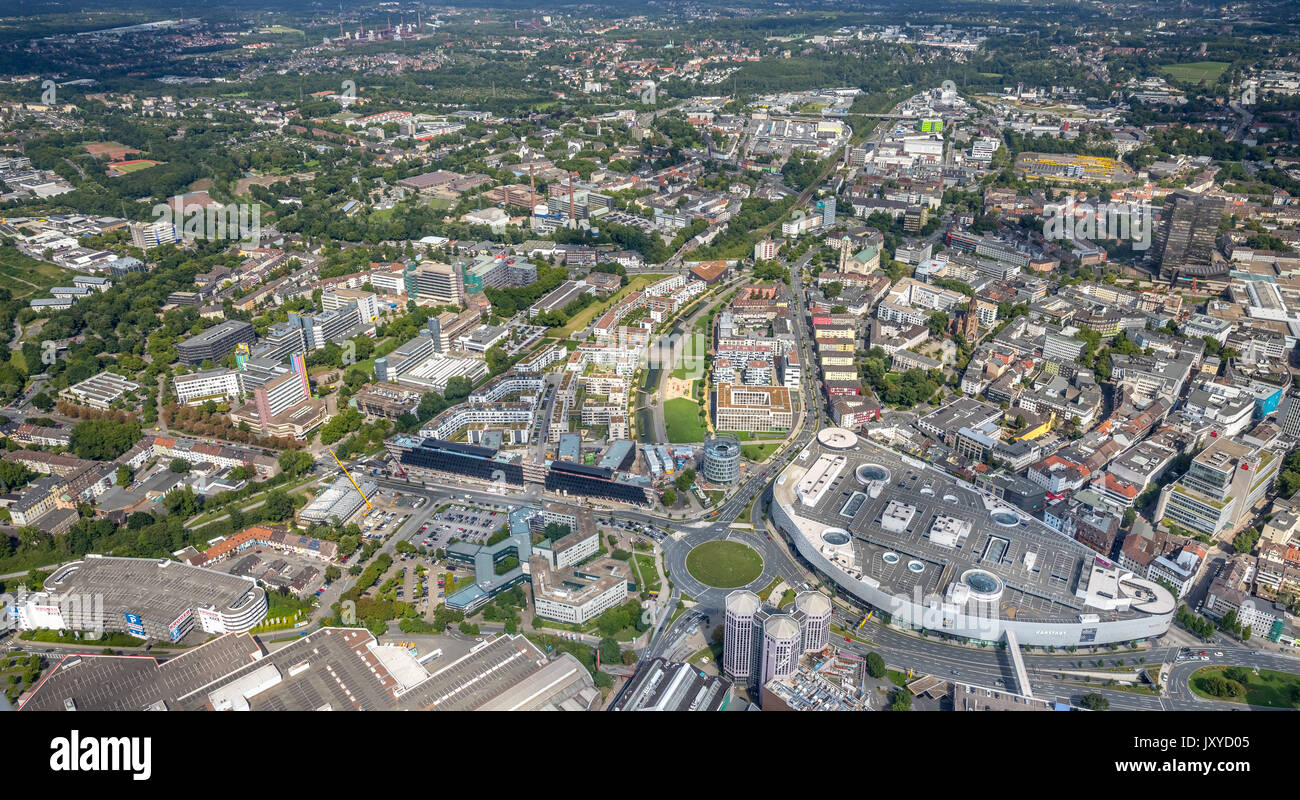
[
  {"x": 758, "y": 452},
  {"x": 682, "y": 418},
  {"x": 27, "y": 276}
]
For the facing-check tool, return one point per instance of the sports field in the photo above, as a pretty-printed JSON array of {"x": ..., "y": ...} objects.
[
  {"x": 1196, "y": 71},
  {"x": 127, "y": 167}
]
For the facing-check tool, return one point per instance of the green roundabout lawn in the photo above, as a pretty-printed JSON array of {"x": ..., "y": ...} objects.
[{"x": 724, "y": 565}]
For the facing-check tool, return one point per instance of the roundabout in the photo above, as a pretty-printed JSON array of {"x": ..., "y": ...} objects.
[{"x": 723, "y": 564}]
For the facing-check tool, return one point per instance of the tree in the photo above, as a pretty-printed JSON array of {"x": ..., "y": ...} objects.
[
  {"x": 938, "y": 324},
  {"x": 179, "y": 465},
  {"x": 497, "y": 360},
  {"x": 1220, "y": 686},
  {"x": 1245, "y": 541},
  {"x": 123, "y": 475},
  {"x": 332, "y": 573},
  {"x": 685, "y": 480},
  {"x": 295, "y": 462},
  {"x": 900, "y": 700},
  {"x": 278, "y": 505},
  {"x": 1094, "y": 702},
  {"x": 610, "y": 652},
  {"x": 103, "y": 439},
  {"x": 181, "y": 502},
  {"x": 14, "y": 475},
  {"x": 875, "y": 665},
  {"x": 670, "y": 497},
  {"x": 458, "y": 388},
  {"x": 138, "y": 520}
]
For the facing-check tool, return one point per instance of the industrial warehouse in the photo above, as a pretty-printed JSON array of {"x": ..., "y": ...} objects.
[{"x": 335, "y": 669}]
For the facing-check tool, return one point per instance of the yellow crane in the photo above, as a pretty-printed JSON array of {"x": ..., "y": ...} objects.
[
  {"x": 864, "y": 619},
  {"x": 369, "y": 505}
]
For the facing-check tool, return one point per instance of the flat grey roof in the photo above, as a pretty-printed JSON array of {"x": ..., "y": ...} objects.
[
  {"x": 155, "y": 589},
  {"x": 1044, "y": 592}
]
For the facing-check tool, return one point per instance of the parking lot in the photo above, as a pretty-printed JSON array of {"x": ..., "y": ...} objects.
[
  {"x": 377, "y": 524},
  {"x": 462, "y": 521},
  {"x": 642, "y": 529}
]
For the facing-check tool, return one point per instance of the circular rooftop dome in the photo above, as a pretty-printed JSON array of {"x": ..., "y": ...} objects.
[
  {"x": 890, "y": 558},
  {"x": 983, "y": 585},
  {"x": 781, "y": 626},
  {"x": 837, "y": 438},
  {"x": 836, "y": 536},
  {"x": 743, "y": 603},
  {"x": 870, "y": 473},
  {"x": 814, "y": 604},
  {"x": 915, "y": 566},
  {"x": 1006, "y": 518}
]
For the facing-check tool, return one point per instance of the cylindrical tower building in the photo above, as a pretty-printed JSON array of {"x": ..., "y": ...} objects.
[
  {"x": 721, "y": 462},
  {"x": 738, "y": 633},
  {"x": 815, "y": 608},
  {"x": 782, "y": 646}
]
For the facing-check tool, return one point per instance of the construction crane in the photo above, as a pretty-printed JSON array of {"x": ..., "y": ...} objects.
[
  {"x": 864, "y": 620},
  {"x": 370, "y": 506}
]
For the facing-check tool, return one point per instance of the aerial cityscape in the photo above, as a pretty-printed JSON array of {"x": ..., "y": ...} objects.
[{"x": 661, "y": 356}]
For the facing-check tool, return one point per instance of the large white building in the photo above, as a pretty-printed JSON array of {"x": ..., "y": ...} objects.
[
  {"x": 367, "y": 302},
  {"x": 211, "y": 384},
  {"x": 577, "y": 594},
  {"x": 147, "y": 598},
  {"x": 1012, "y": 577}
]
